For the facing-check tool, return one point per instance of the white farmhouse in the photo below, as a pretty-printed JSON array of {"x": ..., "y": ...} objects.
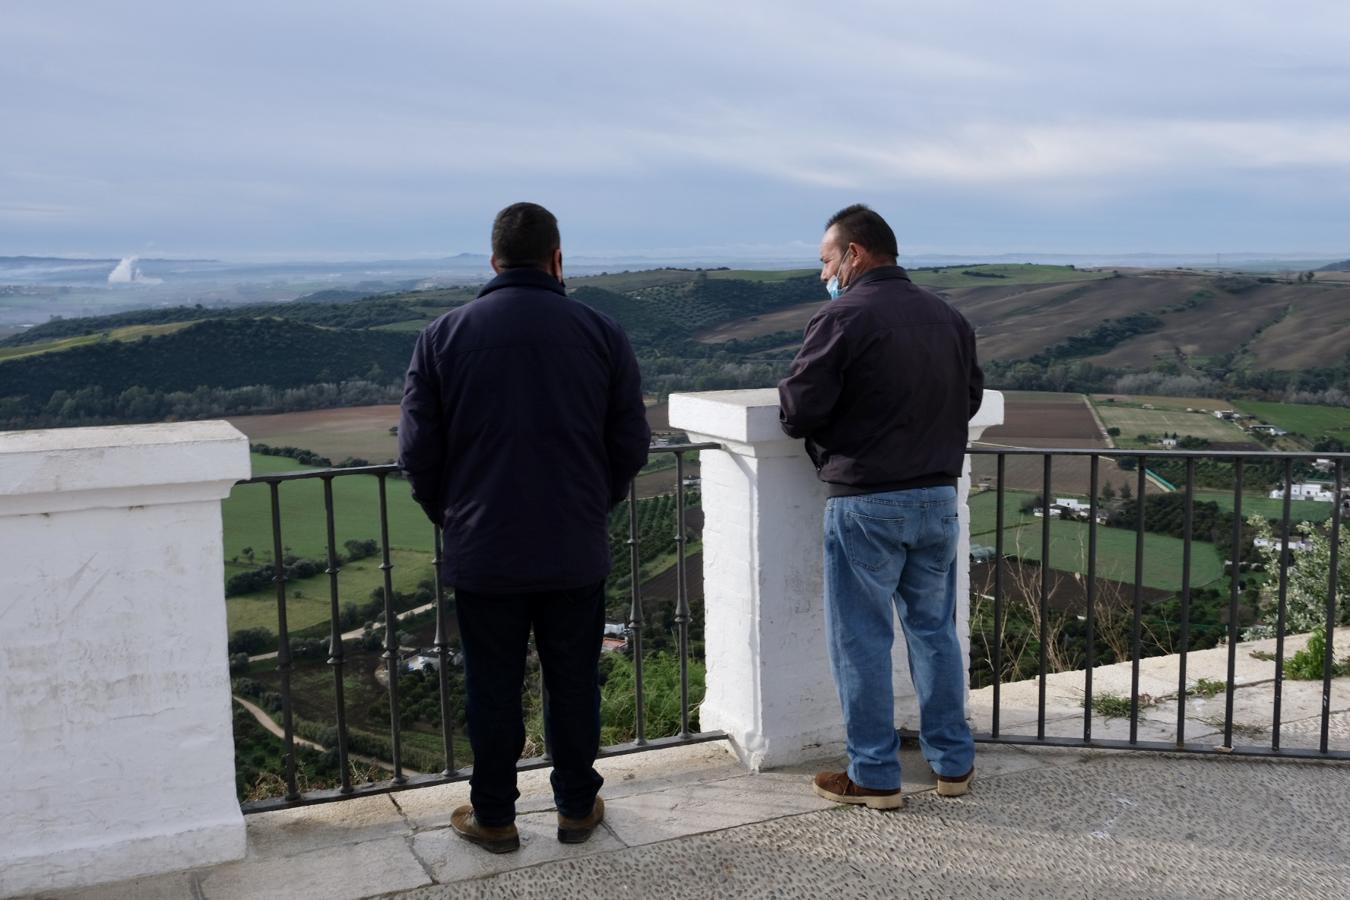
[{"x": 1306, "y": 491}]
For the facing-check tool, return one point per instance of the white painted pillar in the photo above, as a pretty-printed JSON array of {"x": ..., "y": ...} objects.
[
  {"x": 769, "y": 685},
  {"x": 116, "y": 745}
]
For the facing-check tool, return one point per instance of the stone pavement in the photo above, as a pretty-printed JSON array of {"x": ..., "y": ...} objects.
[{"x": 689, "y": 822}]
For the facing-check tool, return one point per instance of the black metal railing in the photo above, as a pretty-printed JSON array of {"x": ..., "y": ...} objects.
[
  {"x": 1271, "y": 463},
  {"x": 400, "y": 779}
]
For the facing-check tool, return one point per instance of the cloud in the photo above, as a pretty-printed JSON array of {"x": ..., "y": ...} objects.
[{"x": 263, "y": 126}]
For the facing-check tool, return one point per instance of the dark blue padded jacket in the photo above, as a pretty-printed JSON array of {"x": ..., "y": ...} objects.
[{"x": 522, "y": 425}]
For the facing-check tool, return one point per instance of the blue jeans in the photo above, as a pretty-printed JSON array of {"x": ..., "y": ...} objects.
[{"x": 896, "y": 547}]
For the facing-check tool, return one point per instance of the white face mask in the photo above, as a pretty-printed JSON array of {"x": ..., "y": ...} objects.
[{"x": 833, "y": 286}]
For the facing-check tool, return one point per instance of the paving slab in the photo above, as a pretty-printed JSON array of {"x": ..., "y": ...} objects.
[
  {"x": 713, "y": 806},
  {"x": 1110, "y": 825},
  {"x": 288, "y": 832},
  {"x": 448, "y": 857},
  {"x": 173, "y": 886},
  {"x": 348, "y": 872},
  {"x": 624, "y": 775}
]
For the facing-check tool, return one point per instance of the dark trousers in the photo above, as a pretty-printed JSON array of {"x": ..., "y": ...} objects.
[{"x": 495, "y": 631}]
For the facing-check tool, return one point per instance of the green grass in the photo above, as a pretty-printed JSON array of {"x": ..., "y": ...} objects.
[
  {"x": 1311, "y": 421},
  {"x": 1254, "y": 504},
  {"x": 1133, "y": 421},
  {"x": 1068, "y": 545},
  {"x": 128, "y": 333},
  {"x": 307, "y": 601},
  {"x": 248, "y": 515},
  {"x": 409, "y": 326},
  {"x": 1018, "y": 273}
]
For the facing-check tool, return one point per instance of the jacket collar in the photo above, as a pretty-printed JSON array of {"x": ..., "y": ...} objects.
[
  {"x": 527, "y": 278},
  {"x": 880, "y": 273}
]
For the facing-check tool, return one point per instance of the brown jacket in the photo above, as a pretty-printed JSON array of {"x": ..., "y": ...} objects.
[{"x": 883, "y": 387}]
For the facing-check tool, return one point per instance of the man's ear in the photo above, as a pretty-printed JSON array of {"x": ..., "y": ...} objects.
[
  {"x": 557, "y": 264},
  {"x": 492, "y": 261}
]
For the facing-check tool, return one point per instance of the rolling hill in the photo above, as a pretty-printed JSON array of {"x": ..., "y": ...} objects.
[{"x": 1039, "y": 327}]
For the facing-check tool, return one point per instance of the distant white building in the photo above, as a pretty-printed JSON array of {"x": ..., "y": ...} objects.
[
  {"x": 1307, "y": 491},
  {"x": 1069, "y": 508},
  {"x": 1168, "y": 443},
  {"x": 1270, "y": 430}
]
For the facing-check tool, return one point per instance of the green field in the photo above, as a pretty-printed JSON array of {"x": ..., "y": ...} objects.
[
  {"x": 1300, "y": 510},
  {"x": 307, "y": 601},
  {"x": 128, "y": 333},
  {"x": 1304, "y": 419},
  {"x": 765, "y": 276},
  {"x": 1069, "y": 540},
  {"x": 410, "y": 326},
  {"x": 1134, "y": 420},
  {"x": 356, "y": 514},
  {"x": 1001, "y": 274},
  {"x": 1178, "y": 404}
]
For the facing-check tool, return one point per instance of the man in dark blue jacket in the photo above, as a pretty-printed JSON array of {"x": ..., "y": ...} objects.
[{"x": 522, "y": 426}]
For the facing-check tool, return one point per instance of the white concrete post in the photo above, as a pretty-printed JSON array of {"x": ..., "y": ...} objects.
[
  {"x": 115, "y": 725},
  {"x": 769, "y": 685}
]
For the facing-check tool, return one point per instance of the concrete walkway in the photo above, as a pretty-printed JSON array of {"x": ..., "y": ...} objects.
[{"x": 688, "y": 822}]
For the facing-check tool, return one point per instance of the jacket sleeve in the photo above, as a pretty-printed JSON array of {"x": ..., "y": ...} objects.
[
  {"x": 807, "y": 396},
  {"x": 627, "y": 434},
  {"x": 421, "y": 431},
  {"x": 976, "y": 376}
]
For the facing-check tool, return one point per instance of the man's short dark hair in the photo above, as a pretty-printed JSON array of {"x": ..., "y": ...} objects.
[
  {"x": 859, "y": 224},
  {"x": 524, "y": 236}
]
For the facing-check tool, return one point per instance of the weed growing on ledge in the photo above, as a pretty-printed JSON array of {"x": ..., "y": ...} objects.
[
  {"x": 1115, "y": 706},
  {"x": 1207, "y": 687}
]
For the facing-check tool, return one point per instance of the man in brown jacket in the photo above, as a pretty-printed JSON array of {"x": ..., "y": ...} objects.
[{"x": 882, "y": 390}]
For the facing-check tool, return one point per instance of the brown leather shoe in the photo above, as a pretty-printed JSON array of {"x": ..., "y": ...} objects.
[
  {"x": 954, "y": 786},
  {"x": 577, "y": 831},
  {"x": 837, "y": 786},
  {"x": 493, "y": 838}
]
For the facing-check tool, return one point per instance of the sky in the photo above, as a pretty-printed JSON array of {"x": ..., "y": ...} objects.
[{"x": 336, "y": 129}]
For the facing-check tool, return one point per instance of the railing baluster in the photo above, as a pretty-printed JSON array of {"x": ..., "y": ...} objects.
[
  {"x": 998, "y": 591},
  {"x": 635, "y": 618},
  {"x": 1188, "y": 525},
  {"x": 1234, "y": 586},
  {"x": 1044, "y": 631},
  {"x": 391, "y": 647},
  {"x": 1333, "y": 580},
  {"x": 681, "y": 594},
  {"x": 335, "y": 657},
  {"x": 284, "y": 664},
  {"x": 1137, "y": 617},
  {"x": 1091, "y": 655},
  {"x": 1283, "y": 602},
  {"x": 443, "y": 657}
]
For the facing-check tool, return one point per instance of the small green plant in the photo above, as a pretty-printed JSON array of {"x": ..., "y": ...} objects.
[
  {"x": 1115, "y": 706},
  {"x": 1308, "y": 664},
  {"x": 1207, "y": 687}
]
